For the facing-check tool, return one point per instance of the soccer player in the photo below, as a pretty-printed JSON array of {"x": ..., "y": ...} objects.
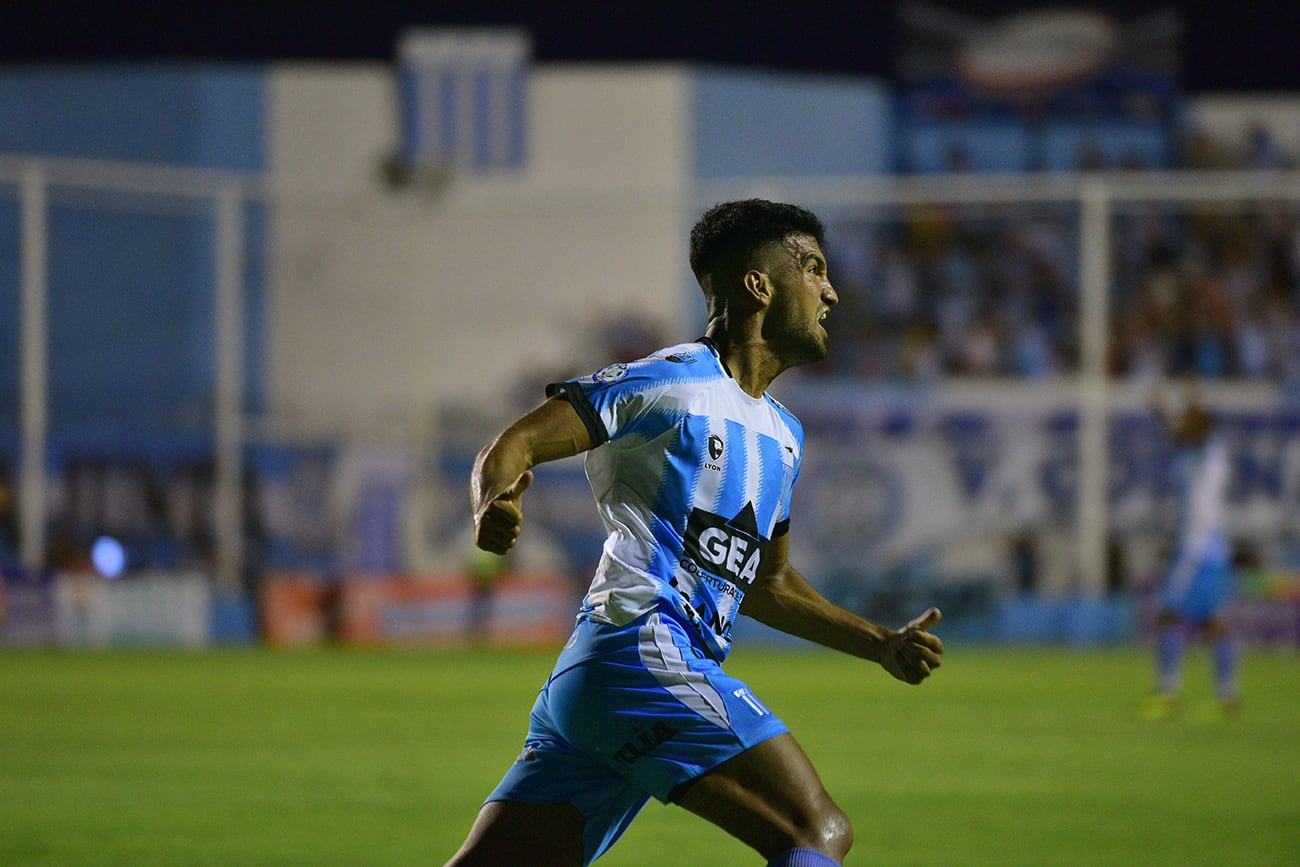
[
  {"x": 692, "y": 466},
  {"x": 1198, "y": 580}
]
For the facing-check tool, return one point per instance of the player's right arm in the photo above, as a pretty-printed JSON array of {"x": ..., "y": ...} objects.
[
  {"x": 782, "y": 598},
  {"x": 501, "y": 471}
]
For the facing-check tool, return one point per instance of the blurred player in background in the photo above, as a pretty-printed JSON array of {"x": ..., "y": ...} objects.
[
  {"x": 692, "y": 465},
  {"x": 1198, "y": 580}
]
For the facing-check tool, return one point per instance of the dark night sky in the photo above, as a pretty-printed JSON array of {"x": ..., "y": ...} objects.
[{"x": 1249, "y": 45}]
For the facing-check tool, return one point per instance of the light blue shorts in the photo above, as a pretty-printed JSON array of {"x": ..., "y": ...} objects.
[{"x": 628, "y": 713}]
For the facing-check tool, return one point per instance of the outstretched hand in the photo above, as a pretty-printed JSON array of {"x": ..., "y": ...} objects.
[
  {"x": 912, "y": 653},
  {"x": 497, "y": 522}
]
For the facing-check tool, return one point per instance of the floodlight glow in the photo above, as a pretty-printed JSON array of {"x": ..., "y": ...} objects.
[{"x": 109, "y": 556}]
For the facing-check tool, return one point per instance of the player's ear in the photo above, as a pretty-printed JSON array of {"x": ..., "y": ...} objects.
[{"x": 757, "y": 287}]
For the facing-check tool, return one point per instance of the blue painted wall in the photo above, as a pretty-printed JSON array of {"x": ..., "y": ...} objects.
[
  {"x": 131, "y": 313},
  {"x": 200, "y": 115},
  {"x": 756, "y": 124}
]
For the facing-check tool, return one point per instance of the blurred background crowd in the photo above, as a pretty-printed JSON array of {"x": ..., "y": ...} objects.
[{"x": 989, "y": 291}]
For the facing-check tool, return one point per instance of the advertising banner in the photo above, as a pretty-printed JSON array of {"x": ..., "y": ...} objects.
[
  {"x": 883, "y": 481},
  {"x": 516, "y": 608},
  {"x": 28, "y": 614}
]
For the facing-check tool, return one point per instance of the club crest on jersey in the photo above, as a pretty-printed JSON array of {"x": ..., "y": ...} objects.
[
  {"x": 612, "y": 373},
  {"x": 730, "y": 548}
]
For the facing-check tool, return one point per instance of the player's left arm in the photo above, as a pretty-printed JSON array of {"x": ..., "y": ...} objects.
[{"x": 782, "y": 598}]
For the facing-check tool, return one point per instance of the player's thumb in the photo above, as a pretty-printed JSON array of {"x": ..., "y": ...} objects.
[
  {"x": 521, "y": 484},
  {"x": 926, "y": 620}
]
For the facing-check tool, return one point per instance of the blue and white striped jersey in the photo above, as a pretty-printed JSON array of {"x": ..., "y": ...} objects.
[
  {"x": 692, "y": 477},
  {"x": 1200, "y": 485}
]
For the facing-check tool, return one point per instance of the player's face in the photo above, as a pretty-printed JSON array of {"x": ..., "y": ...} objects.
[{"x": 802, "y": 297}]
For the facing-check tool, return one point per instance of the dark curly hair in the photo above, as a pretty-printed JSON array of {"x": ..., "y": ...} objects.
[{"x": 727, "y": 235}]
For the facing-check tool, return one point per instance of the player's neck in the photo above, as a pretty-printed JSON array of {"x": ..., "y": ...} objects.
[{"x": 751, "y": 363}]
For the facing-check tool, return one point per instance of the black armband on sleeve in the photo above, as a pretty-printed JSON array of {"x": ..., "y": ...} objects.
[
  {"x": 577, "y": 399},
  {"x": 781, "y": 528}
]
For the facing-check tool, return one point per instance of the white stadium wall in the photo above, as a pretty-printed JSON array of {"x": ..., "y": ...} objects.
[{"x": 387, "y": 305}]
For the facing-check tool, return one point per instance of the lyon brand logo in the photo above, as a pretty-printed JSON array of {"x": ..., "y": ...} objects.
[{"x": 715, "y": 446}]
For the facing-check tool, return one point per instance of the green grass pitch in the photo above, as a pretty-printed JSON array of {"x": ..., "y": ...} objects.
[{"x": 1005, "y": 757}]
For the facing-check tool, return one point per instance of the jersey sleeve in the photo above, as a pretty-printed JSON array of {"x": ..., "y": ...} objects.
[{"x": 620, "y": 400}]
